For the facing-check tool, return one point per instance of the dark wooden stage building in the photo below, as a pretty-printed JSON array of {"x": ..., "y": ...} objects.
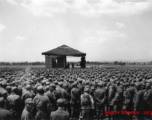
[{"x": 56, "y": 58}]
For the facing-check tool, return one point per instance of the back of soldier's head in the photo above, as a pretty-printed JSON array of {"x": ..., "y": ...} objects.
[
  {"x": 60, "y": 103},
  {"x": 100, "y": 85},
  {"x": 28, "y": 87},
  {"x": 86, "y": 90},
  {"x": 4, "y": 84},
  {"x": 14, "y": 90},
  {"x": 138, "y": 85},
  {"x": 9, "y": 88},
  {"x": 60, "y": 84},
  {"x": 47, "y": 88},
  {"x": 148, "y": 85},
  {"x": 40, "y": 90},
  {"x": 65, "y": 85}
]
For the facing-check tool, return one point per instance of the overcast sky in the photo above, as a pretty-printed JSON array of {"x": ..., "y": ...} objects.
[{"x": 106, "y": 30}]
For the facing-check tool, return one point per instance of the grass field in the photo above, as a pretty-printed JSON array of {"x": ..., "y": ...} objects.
[{"x": 88, "y": 66}]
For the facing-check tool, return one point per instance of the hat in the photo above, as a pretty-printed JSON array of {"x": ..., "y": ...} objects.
[
  {"x": 148, "y": 84},
  {"x": 138, "y": 84},
  {"x": 60, "y": 83},
  {"x": 40, "y": 89},
  {"x": 100, "y": 84},
  {"x": 86, "y": 89},
  {"x": 28, "y": 101},
  {"x": 143, "y": 84},
  {"x": 92, "y": 88},
  {"x": 4, "y": 83},
  {"x": 60, "y": 102},
  {"x": 65, "y": 85},
  {"x": 28, "y": 87},
  {"x": 52, "y": 85},
  {"x": 47, "y": 83},
  {"x": 14, "y": 89}
]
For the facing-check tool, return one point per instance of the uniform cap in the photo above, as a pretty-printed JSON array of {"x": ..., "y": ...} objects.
[
  {"x": 138, "y": 84},
  {"x": 100, "y": 84},
  {"x": 117, "y": 82},
  {"x": 52, "y": 85},
  {"x": 4, "y": 83},
  {"x": 8, "y": 88},
  {"x": 87, "y": 89},
  {"x": 87, "y": 82},
  {"x": 143, "y": 84},
  {"x": 127, "y": 84},
  {"x": 28, "y": 87},
  {"x": 47, "y": 83},
  {"x": 92, "y": 88},
  {"x": 65, "y": 85},
  {"x": 60, "y": 102},
  {"x": 60, "y": 83},
  {"x": 14, "y": 89},
  {"x": 40, "y": 89},
  {"x": 132, "y": 83},
  {"x": 148, "y": 84},
  {"x": 47, "y": 87}
]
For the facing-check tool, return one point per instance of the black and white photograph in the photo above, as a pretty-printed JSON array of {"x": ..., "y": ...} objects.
[{"x": 75, "y": 59}]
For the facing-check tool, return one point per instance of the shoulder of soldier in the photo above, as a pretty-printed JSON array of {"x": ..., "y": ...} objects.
[
  {"x": 140, "y": 92},
  {"x": 8, "y": 96},
  {"x": 150, "y": 90},
  {"x": 46, "y": 97},
  {"x": 52, "y": 113},
  {"x": 13, "y": 96},
  {"x": 6, "y": 111},
  {"x": 25, "y": 93},
  {"x": 47, "y": 93},
  {"x": 36, "y": 97}
]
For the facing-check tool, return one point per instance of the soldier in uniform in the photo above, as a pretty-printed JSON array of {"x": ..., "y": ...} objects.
[
  {"x": 8, "y": 88},
  {"x": 80, "y": 85},
  {"x": 58, "y": 91},
  {"x": 4, "y": 114},
  {"x": 42, "y": 105},
  {"x": 86, "y": 103},
  {"x": 27, "y": 94},
  {"x": 128, "y": 102},
  {"x": 139, "y": 101},
  {"x": 112, "y": 92},
  {"x": 27, "y": 112},
  {"x": 75, "y": 101},
  {"x": 51, "y": 97},
  {"x": 13, "y": 104},
  {"x": 66, "y": 96},
  {"x": 147, "y": 99},
  {"x": 60, "y": 114},
  {"x": 93, "y": 111},
  {"x": 100, "y": 100},
  {"x": 117, "y": 103}
]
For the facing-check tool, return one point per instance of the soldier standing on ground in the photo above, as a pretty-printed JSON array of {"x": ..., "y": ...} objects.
[
  {"x": 27, "y": 112},
  {"x": 42, "y": 106},
  {"x": 60, "y": 113},
  {"x": 139, "y": 101}
]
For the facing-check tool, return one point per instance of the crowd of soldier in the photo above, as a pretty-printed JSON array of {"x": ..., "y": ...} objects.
[{"x": 61, "y": 94}]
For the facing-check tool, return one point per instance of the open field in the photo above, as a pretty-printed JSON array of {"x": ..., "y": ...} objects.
[
  {"x": 22, "y": 66},
  {"x": 88, "y": 66}
]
